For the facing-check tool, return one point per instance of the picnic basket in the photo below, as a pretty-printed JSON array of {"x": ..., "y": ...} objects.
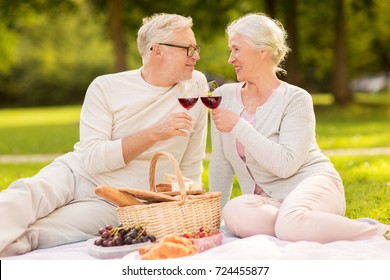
[{"x": 188, "y": 213}]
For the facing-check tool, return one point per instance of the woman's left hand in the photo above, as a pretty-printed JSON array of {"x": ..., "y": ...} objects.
[{"x": 224, "y": 120}]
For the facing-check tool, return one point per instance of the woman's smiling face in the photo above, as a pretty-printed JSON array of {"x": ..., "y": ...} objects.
[{"x": 246, "y": 59}]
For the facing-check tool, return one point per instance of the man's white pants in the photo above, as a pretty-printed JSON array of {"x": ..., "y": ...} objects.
[{"x": 54, "y": 207}]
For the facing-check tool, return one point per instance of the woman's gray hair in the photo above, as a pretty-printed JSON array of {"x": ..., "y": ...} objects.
[
  {"x": 263, "y": 33},
  {"x": 159, "y": 28}
]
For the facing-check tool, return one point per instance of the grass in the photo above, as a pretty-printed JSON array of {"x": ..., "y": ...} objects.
[
  {"x": 44, "y": 139},
  {"x": 366, "y": 181},
  {"x": 367, "y": 185},
  {"x": 9, "y": 172},
  {"x": 39, "y": 130},
  {"x": 358, "y": 126},
  {"x": 56, "y": 129},
  {"x": 363, "y": 124}
]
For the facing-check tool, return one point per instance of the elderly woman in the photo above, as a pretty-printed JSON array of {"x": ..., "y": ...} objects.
[{"x": 264, "y": 133}]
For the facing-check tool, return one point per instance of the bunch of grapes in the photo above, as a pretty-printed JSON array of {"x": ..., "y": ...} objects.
[
  {"x": 200, "y": 233},
  {"x": 119, "y": 236}
]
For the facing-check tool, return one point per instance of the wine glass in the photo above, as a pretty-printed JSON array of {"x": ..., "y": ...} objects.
[
  {"x": 188, "y": 95},
  {"x": 211, "y": 99}
]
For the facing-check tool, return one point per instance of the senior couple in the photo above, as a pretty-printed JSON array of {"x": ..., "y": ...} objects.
[{"x": 263, "y": 132}]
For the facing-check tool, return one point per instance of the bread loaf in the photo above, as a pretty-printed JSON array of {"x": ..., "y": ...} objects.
[
  {"x": 163, "y": 187},
  {"x": 116, "y": 196}
]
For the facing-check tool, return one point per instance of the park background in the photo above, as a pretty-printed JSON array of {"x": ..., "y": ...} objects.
[{"x": 50, "y": 51}]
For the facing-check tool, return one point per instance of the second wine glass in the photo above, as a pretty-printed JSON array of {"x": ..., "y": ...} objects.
[{"x": 211, "y": 99}]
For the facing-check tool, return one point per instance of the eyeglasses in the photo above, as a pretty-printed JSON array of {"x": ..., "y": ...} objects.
[{"x": 190, "y": 50}]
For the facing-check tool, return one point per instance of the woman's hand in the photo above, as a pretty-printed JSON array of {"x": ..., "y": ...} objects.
[{"x": 224, "y": 120}]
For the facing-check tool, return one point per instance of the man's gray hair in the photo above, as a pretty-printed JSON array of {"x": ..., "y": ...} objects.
[{"x": 159, "y": 28}]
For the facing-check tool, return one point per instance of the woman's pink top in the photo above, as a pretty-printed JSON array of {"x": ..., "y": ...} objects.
[{"x": 251, "y": 118}]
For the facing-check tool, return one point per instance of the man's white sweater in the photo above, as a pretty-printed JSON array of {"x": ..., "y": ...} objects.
[{"x": 118, "y": 105}]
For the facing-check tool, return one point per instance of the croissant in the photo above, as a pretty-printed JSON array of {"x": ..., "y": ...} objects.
[
  {"x": 143, "y": 250},
  {"x": 177, "y": 239},
  {"x": 169, "y": 247},
  {"x": 167, "y": 250}
]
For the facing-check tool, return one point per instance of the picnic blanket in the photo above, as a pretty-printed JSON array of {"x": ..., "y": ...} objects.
[{"x": 252, "y": 248}]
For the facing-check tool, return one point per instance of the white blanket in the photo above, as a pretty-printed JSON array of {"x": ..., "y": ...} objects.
[
  {"x": 256, "y": 247},
  {"x": 234, "y": 254},
  {"x": 269, "y": 248}
]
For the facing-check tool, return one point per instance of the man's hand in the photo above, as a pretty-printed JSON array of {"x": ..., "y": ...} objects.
[{"x": 176, "y": 124}]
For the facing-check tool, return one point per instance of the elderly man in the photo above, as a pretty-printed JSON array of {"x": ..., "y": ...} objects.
[{"x": 125, "y": 119}]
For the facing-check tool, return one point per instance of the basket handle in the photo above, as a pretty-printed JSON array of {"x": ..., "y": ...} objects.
[{"x": 179, "y": 176}]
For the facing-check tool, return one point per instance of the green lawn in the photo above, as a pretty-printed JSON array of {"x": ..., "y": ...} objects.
[
  {"x": 39, "y": 130},
  {"x": 361, "y": 125},
  {"x": 358, "y": 126},
  {"x": 366, "y": 180},
  {"x": 367, "y": 185},
  {"x": 56, "y": 129},
  {"x": 9, "y": 172}
]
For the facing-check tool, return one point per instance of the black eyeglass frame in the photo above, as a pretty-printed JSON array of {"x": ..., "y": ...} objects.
[{"x": 190, "y": 50}]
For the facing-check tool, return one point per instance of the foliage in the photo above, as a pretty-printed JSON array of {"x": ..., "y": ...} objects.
[
  {"x": 56, "y": 57},
  {"x": 12, "y": 9},
  {"x": 370, "y": 29},
  {"x": 205, "y": 13},
  {"x": 51, "y": 50},
  {"x": 311, "y": 25},
  {"x": 7, "y": 54}
]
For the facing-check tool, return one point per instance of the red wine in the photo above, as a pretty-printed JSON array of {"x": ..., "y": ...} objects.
[
  {"x": 211, "y": 102},
  {"x": 188, "y": 103}
]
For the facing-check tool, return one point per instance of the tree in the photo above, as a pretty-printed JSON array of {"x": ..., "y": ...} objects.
[
  {"x": 294, "y": 73},
  {"x": 116, "y": 31},
  {"x": 340, "y": 89},
  {"x": 270, "y": 6}
]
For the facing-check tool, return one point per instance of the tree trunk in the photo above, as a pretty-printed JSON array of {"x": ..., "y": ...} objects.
[
  {"x": 292, "y": 66},
  {"x": 270, "y": 8},
  {"x": 341, "y": 90},
  {"x": 116, "y": 29}
]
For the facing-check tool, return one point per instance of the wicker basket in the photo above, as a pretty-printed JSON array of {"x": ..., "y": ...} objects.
[{"x": 175, "y": 217}]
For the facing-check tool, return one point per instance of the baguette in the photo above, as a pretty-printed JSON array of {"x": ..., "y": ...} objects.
[
  {"x": 116, "y": 196},
  {"x": 163, "y": 187}
]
